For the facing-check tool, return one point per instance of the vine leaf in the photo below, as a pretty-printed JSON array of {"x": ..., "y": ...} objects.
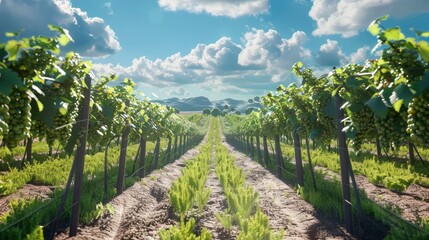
[
  {"x": 393, "y": 34},
  {"x": 423, "y": 48},
  {"x": 377, "y": 105},
  {"x": 402, "y": 92},
  {"x": 420, "y": 33},
  {"x": 9, "y": 79}
]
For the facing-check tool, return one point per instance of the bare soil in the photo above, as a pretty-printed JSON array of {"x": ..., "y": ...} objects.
[
  {"x": 28, "y": 191},
  {"x": 410, "y": 205},
  {"x": 284, "y": 208},
  {"x": 144, "y": 209}
]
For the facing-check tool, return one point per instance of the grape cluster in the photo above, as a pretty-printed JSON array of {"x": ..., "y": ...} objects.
[
  {"x": 418, "y": 118},
  {"x": 20, "y": 118},
  {"x": 363, "y": 122},
  {"x": 32, "y": 60},
  {"x": 392, "y": 129},
  {"x": 38, "y": 129},
  {"x": 4, "y": 113},
  {"x": 403, "y": 60}
]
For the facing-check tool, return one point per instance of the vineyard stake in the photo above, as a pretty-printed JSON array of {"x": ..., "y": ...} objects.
[
  {"x": 80, "y": 158},
  {"x": 344, "y": 164}
]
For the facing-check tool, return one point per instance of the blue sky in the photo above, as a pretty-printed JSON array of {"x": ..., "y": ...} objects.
[{"x": 217, "y": 48}]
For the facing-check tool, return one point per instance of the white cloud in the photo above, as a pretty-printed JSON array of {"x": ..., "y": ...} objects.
[
  {"x": 223, "y": 66},
  {"x": 108, "y": 6},
  {"x": 360, "y": 56},
  {"x": 92, "y": 36},
  {"x": 226, "y": 8},
  {"x": 176, "y": 91},
  {"x": 330, "y": 54},
  {"x": 348, "y": 17}
]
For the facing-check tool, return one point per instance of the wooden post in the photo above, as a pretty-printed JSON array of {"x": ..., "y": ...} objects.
[
  {"x": 80, "y": 158},
  {"x": 278, "y": 155},
  {"x": 142, "y": 161},
  {"x": 29, "y": 148},
  {"x": 298, "y": 159},
  {"x": 307, "y": 144},
  {"x": 378, "y": 145},
  {"x": 168, "y": 154},
  {"x": 266, "y": 154},
  {"x": 175, "y": 147},
  {"x": 344, "y": 165},
  {"x": 411, "y": 153},
  {"x": 158, "y": 142},
  {"x": 258, "y": 148},
  {"x": 122, "y": 156}
]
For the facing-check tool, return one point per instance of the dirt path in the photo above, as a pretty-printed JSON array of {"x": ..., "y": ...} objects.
[
  {"x": 407, "y": 205},
  {"x": 411, "y": 204},
  {"x": 28, "y": 191},
  {"x": 284, "y": 208},
  {"x": 215, "y": 204},
  {"x": 142, "y": 210}
]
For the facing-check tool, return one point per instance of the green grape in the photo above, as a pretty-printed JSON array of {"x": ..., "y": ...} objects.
[
  {"x": 417, "y": 119},
  {"x": 363, "y": 123},
  {"x": 19, "y": 122},
  {"x": 392, "y": 129}
]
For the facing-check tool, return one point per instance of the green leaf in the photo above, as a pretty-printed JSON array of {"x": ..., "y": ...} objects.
[
  {"x": 374, "y": 28},
  {"x": 315, "y": 133},
  {"x": 423, "y": 48},
  {"x": 10, "y": 34},
  {"x": 65, "y": 37},
  {"x": 393, "y": 34},
  {"x": 13, "y": 34},
  {"x": 63, "y": 108},
  {"x": 377, "y": 105},
  {"x": 12, "y": 47},
  {"x": 398, "y": 104},
  {"x": 329, "y": 109},
  {"x": 419, "y": 86},
  {"x": 49, "y": 110},
  {"x": 352, "y": 82},
  {"x": 9, "y": 79},
  {"x": 34, "y": 97},
  {"x": 420, "y": 33},
  {"x": 401, "y": 93}
]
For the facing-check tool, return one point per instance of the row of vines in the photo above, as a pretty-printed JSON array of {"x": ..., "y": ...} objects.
[
  {"x": 52, "y": 98},
  {"x": 383, "y": 102}
]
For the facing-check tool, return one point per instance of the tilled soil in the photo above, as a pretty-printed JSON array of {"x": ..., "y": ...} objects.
[
  {"x": 284, "y": 208},
  {"x": 410, "y": 205},
  {"x": 142, "y": 210},
  {"x": 215, "y": 204},
  {"x": 28, "y": 191}
]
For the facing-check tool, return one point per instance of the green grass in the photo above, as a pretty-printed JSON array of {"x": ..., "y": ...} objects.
[
  {"x": 328, "y": 197},
  {"x": 55, "y": 172},
  {"x": 393, "y": 175}
]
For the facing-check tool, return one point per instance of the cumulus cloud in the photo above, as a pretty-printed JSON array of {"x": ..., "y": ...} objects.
[
  {"x": 347, "y": 17},
  {"x": 330, "y": 54},
  {"x": 360, "y": 56},
  {"x": 176, "y": 91},
  {"x": 92, "y": 36},
  {"x": 262, "y": 59},
  {"x": 108, "y": 6},
  {"x": 226, "y": 8}
]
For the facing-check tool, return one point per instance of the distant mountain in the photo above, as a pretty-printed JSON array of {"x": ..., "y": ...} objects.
[{"x": 200, "y": 103}]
